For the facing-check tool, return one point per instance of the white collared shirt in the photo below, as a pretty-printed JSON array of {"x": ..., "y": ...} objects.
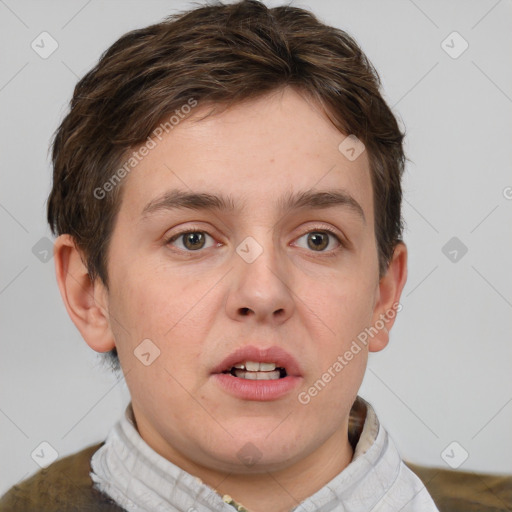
[{"x": 138, "y": 479}]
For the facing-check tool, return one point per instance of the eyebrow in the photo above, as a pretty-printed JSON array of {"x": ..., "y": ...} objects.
[
  {"x": 177, "y": 199},
  {"x": 320, "y": 200}
]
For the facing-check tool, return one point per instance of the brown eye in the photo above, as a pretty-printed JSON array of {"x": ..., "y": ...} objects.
[
  {"x": 318, "y": 241},
  {"x": 192, "y": 241}
]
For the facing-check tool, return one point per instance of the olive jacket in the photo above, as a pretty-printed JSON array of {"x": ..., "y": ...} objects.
[{"x": 66, "y": 486}]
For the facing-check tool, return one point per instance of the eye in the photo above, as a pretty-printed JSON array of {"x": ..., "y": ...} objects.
[
  {"x": 318, "y": 241},
  {"x": 191, "y": 240}
]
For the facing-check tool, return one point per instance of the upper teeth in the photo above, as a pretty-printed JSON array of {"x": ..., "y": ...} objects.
[{"x": 252, "y": 366}]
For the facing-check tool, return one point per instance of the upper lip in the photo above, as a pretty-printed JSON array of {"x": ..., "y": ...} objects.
[{"x": 276, "y": 355}]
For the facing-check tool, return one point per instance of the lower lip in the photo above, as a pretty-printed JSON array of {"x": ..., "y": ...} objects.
[{"x": 259, "y": 390}]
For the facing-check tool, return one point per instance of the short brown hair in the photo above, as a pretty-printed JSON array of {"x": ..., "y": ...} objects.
[{"x": 219, "y": 54}]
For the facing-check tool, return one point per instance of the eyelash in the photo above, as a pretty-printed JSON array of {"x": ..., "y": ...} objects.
[
  {"x": 332, "y": 252},
  {"x": 176, "y": 236}
]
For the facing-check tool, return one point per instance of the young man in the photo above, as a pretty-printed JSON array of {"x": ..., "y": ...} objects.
[{"x": 227, "y": 199}]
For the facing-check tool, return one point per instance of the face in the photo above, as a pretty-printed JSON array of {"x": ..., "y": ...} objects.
[{"x": 245, "y": 237}]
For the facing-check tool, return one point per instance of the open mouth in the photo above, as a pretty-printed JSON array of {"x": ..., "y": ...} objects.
[
  {"x": 252, "y": 370},
  {"x": 258, "y": 374}
]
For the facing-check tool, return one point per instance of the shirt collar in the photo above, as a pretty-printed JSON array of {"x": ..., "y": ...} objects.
[{"x": 138, "y": 479}]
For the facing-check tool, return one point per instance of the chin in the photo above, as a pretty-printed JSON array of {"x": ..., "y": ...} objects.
[{"x": 256, "y": 453}]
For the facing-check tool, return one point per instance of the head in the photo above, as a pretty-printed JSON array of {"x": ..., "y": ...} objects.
[{"x": 206, "y": 203}]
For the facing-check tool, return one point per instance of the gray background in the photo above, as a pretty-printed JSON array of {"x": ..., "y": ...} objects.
[{"x": 446, "y": 374}]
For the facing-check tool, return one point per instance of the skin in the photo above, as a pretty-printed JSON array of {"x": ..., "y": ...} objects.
[{"x": 199, "y": 306}]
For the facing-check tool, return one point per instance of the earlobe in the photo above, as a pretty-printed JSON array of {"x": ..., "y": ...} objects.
[
  {"x": 85, "y": 300},
  {"x": 388, "y": 303}
]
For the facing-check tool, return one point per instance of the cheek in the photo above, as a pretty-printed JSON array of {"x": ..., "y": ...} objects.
[
  {"x": 171, "y": 311},
  {"x": 139, "y": 307},
  {"x": 340, "y": 308},
  {"x": 150, "y": 308}
]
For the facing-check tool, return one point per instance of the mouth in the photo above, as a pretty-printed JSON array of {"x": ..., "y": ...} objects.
[
  {"x": 253, "y": 370},
  {"x": 258, "y": 374},
  {"x": 253, "y": 363}
]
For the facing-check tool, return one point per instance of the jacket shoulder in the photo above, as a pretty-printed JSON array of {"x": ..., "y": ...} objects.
[
  {"x": 466, "y": 491},
  {"x": 64, "y": 486}
]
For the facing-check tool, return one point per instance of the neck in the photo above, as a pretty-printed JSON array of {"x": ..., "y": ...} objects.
[
  {"x": 286, "y": 489},
  {"x": 273, "y": 491}
]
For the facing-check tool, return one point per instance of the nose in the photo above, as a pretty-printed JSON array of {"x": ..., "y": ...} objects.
[{"x": 260, "y": 290}]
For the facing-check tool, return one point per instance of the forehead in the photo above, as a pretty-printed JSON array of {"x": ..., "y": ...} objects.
[{"x": 256, "y": 152}]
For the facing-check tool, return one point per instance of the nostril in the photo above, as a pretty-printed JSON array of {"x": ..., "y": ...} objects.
[{"x": 244, "y": 311}]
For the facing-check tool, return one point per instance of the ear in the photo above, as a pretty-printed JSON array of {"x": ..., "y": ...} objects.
[
  {"x": 387, "y": 303},
  {"x": 86, "y": 301}
]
